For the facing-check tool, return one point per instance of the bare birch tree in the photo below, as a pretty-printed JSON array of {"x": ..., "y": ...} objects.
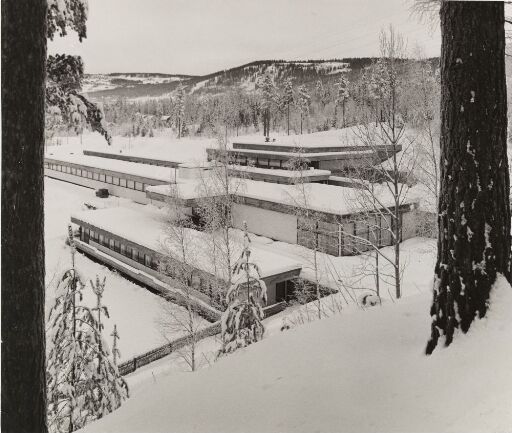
[
  {"x": 389, "y": 142},
  {"x": 179, "y": 247}
]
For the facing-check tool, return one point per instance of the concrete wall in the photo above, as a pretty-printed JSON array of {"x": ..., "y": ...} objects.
[
  {"x": 272, "y": 224},
  {"x": 119, "y": 191},
  {"x": 409, "y": 223}
]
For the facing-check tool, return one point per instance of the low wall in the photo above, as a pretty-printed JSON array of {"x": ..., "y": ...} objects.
[{"x": 136, "y": 362}]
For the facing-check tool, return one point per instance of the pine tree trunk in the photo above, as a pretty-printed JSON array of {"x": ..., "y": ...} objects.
[
  {"x": 23, "y": 337},
  {"x": 343, "y": 111},
  {"x": 288, "y": 117},
  {"x": 474, "y": 209}
]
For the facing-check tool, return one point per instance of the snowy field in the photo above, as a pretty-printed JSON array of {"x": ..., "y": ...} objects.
[
  {"x": 362, "y": 372},
  {"x": 132, "y": 308}
]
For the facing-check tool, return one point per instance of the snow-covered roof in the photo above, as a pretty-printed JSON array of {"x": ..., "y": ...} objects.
[
  {"x": 331, "y": 138},
  {"x": 158, "y": 173},
  {"x": 332, "y": 199},
  {"x": 146, "y": 227}
]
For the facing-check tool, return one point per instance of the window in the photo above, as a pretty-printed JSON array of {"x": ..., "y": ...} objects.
[
  {"x": 122, "y": 183},
  {"x": 111, "y": 244},
  {"x": 89, "y": 174},
  {"x": 73, "y": 171},
  {"x": 128, "y": 252},
  {"x": 123, "y": 249},
  {"x": 108, "y": 179},
  {"x": 115, "y": 180},
  {"x": 102, "y": 177},
  {"x": 131, "y": 184},
  {"x": 117, "y": 246},
  {"x": 135, "y": 254},
  {"x": 154, "y": 263},
  {"x": 96, "y": 176},
  {"x": 79, "y": 172},
  {"x": 147, "y": 260},
  {"x": 263, "y": 162},
  {"x": 139, "y": 186},
  {"x": 101, "y": 239}
]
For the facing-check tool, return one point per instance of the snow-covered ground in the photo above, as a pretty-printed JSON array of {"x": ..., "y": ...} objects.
[
  {"x": 363, "y": 372},
  {"x": 132, "y": 308},
  {"x": 165, "y": 146}
]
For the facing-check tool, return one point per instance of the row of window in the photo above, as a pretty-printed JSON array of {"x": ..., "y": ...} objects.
[
  {"x": 195, "y": 281},
  {"x": 147, "y": 260},
  {"x": 344, "y": 239},
  {"x": 100, "y": 177}
]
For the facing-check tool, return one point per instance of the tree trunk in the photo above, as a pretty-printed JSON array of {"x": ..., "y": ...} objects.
[
  {"x": 474, "y": 209},
  {"x": 23, "y": 98},
  {"x": 288, "y": 117}
]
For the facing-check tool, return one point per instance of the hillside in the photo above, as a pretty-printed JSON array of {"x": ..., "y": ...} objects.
[
  {"x": 361, "y": 371},
  {"x": 136, "y": 85}
]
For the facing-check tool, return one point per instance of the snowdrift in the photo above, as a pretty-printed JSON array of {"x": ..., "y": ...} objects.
[{"x": 360, "y": 372}]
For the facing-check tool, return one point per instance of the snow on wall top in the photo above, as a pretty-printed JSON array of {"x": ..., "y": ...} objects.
[
  {"x": 279, "y": 172},
  {"x": 146, "y": 227}
]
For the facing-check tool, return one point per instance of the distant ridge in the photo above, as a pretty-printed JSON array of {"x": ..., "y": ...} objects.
[{"x": 133, "y": 85}]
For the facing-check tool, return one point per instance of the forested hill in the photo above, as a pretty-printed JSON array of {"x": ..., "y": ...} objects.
[{"x": 136, "y": 85}]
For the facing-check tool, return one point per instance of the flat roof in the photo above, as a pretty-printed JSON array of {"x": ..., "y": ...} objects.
[
  {"x": 157, "y": 173},
  {"x": 330, "y": 199},
  {"x": 147, "y": 227},
  {"x": 332, "y": 138}
]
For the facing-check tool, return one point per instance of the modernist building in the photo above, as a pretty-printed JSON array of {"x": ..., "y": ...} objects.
[
  {"x": 267, "y": 199},
  {"x": 331, "y": 222},
  {"x": 322, "y": 151},
  {"x": 123, "y": 179},
  {"x": 109, "y": 236}
]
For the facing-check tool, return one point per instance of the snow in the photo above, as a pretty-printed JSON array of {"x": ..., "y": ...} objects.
[
  {"x": 134, "y": 309},
  {"x": 279, "y": 172},
  {"x": 363, "y": 371},
  {"x": 157, "y": 173},
  {"x": 165, "y": 146},
  {"x": 321, "y": 197},
  {"x": 331, "y": 138}
]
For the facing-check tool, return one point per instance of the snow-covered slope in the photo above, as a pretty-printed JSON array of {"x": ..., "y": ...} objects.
[{"x": 361, "y": 372}]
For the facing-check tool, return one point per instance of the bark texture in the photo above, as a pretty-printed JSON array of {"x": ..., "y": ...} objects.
[
  {"x": 474, "y": 209},
  {"x": 23, "y": 337}
]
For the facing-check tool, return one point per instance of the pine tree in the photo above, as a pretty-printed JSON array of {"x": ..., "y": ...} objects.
[
  {"x": 180, "y": 109},
  {"x": 342, "y": 93},
  {"x": 82, "y": 383},
  {"x": 268, "y": 97},
  {"x": 474, "y": 207},
  {"x": 303, "y": 101},
  {"x": 23, "y": 262},
  {"x": 241, "y": 322},
  {"x": 115, "y": 351},
  {"x": 288, "y": 100}
]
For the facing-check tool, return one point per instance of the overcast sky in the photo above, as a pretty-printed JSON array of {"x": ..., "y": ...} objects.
[{"x": 203, "y": 36}]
